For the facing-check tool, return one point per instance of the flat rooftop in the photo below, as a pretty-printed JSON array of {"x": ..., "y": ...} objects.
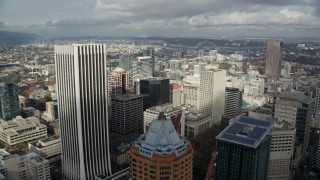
[
  {"x": 282, "y": 125},
  {"x": 263, "y": 110},
  {"x": 166, "y": 108},
  {"x": 246, "y": 131},
  {"x": 125, "y": 97},
  {"x": 296, "y": 96},
  {"x": 51, "y": 138},
  {"x": 154, "y": 79}
]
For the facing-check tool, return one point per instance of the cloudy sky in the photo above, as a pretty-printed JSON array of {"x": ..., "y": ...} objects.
[{"x": 173, "y": 18}]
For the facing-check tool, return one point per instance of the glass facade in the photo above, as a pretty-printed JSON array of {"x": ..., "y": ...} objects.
[
  {"x": 9, "y": 101},
  {"x": 243, "y": 163},
  {"x": 157, "y": 92}
]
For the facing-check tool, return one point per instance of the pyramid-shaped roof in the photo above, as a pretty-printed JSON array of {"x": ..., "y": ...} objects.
[{"x": 162, "y": 138}]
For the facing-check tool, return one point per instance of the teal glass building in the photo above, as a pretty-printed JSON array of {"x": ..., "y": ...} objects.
[
  {"x": 9, "y": 101},
  {"x": 243, "y": 150}
]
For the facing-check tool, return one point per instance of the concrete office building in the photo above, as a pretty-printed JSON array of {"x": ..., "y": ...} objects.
[
  {"x": 273, "y": 58},
  {"x": 38, "y": 167},
  {"x": 26, "y": 167},
  {"x": 190, "y": 94},
  {"x": 20, "y": 130},
  {"x": 281, "y": 151},
  {"x": 296, "y": 109},
  {"x": 244, "y": 148},
  {"x": 9, "y": 101},
  {"x": 156, "y": 91},
  {"x": 49, "y": 148},
  {"x": 175, "y": 94},
  {"x": 196, "y": 124},
  {"x": 83, "y": 110},
  {"x": 233, "y": 102},
  {"x": 161, "y": 153},
  {"x": 212, "y": 93},
  {"x": 127, "y": 114},
  {"x": 175, "y": 113}
]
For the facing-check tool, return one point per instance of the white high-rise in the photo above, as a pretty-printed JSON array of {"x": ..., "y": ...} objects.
[
  {"x": 82, "y": 98},
  {"x": 212, "y": 93}
]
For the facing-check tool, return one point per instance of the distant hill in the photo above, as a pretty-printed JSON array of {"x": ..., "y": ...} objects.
[{"x": 13, "y": 38}]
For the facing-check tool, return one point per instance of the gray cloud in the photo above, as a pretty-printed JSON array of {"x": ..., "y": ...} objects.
[
  {"x": 160, "y": 17},
  {"x": 178, "y": 8},
  {"x": 83, "y": 22}
]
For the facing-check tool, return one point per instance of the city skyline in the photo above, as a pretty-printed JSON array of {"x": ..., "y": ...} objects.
[
  {"x": 139, "y": 18},
  {"x": 159, "y": 108}
]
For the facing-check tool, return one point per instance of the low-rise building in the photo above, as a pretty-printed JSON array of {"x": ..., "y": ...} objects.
[
  {"x": 120, "y": 154},
  {"x": 20, "y": 130},
  {"x": 27, "y": 112},
  {"x": 49, "y": 148},
  {"x": 197, "y": 124}
]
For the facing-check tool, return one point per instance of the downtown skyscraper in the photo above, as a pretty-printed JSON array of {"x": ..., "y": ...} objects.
[
  {"x": 212, "y": 93},
  {"x": 9, "y": 101},
  {"x": 83, "y": 111},
  {"x": 273, "y": 58}
]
